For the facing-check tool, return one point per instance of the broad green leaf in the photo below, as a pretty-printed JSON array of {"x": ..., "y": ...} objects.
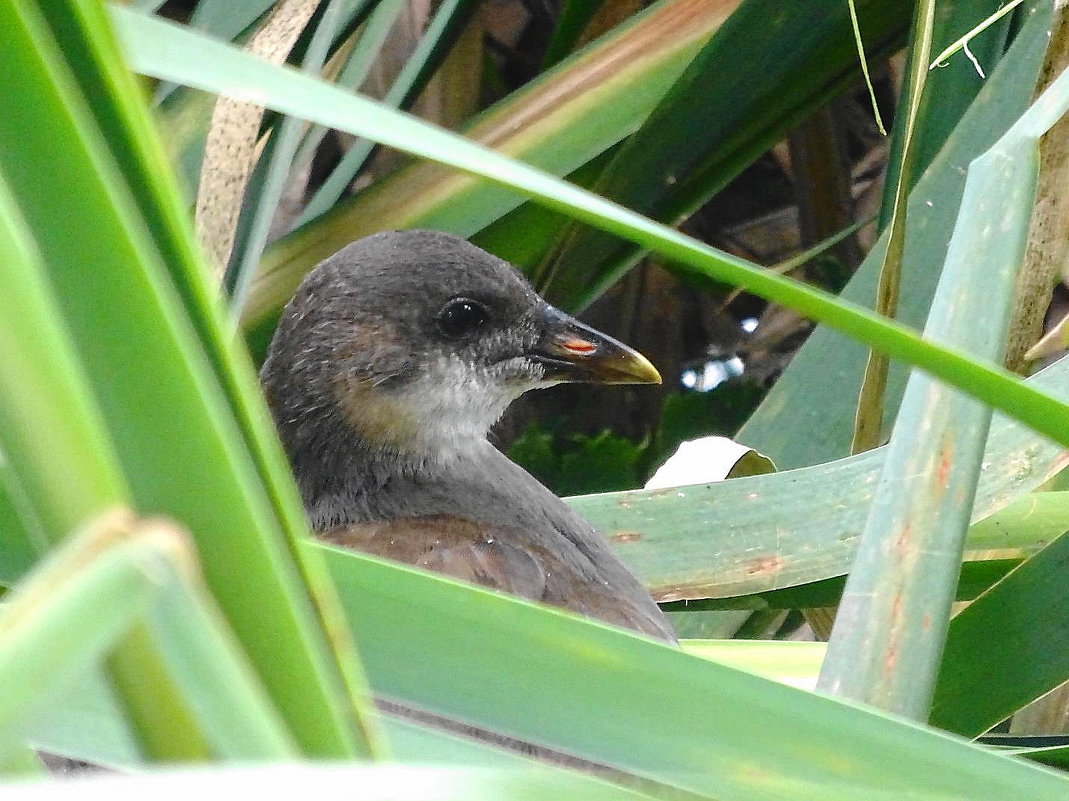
[
  {"x": 641, "y": 706},
  {"x": 1009, "y": 647},
  {"x": 763, "y": 533},
  {"x": 891, "y": 624}
]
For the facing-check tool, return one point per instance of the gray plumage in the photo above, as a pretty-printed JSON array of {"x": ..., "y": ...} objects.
[{"x": 384, "y": 417}]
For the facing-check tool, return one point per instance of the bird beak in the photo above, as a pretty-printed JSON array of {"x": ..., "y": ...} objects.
[{"x": 571, "y": 351}]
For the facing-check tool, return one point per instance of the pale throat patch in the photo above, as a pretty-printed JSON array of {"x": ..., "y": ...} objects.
[{"x": 443, "y": 414}]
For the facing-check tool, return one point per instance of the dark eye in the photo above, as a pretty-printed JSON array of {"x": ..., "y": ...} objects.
[{"x": 461, "y": 316}]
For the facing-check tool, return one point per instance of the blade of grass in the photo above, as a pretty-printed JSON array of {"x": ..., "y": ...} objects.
[
  {"x": 53, "y": 438},
  {"x": 820, "y": 422},
  {"x": 65, "y": 620},
  {"x": 116, "y": 103},
  {"x": 353, "y": 62},
  {"x": 222, "y": 19},
  {"x": 63, "y": 466},
  {"x": 262, "y": 196},
  {"x": 128, "y": 326},
  {"x": 707, "y": 718},
  {"x": 292, "y": 93},
  {"x": 69, "y": 613},
  {"x": 891, "y": 625},
  {"x": 442, "y": 31},
  {"x": 1025, "y": 614},
  {"x": 868, "y": 424},
  {"x": 207, "y": 662},
  {"x": 886, "y": 647},
  {"x": 645, "y": 708},
  {"x": 713, "y": 122},
  {"x": 559, "y": 121},
  {"x": 863, "y": 61},
  {"x": 802, "y": 525}
]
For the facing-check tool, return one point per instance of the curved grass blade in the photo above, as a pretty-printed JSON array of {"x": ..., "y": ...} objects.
[
  {"x": 222, "y": 19},
  {"x": 713, "y": 122},
  {"x": 116, "y": 103},
  {"x": 442, "y": 31},
  {"x": 266, "y": 185},
  {"x": 64, "y": 621},
  {"x": 819, "y": 426},
  {"x": 177, "y": 436},
  {"x": 69, "y": 613},
  {"x": 763, "y": 533},
  {"x": 292, "y": 93},
  {"x": 63, "y": 470},
  {"x": 642, "y": 707},
  {"x": 559, "y": 122}
]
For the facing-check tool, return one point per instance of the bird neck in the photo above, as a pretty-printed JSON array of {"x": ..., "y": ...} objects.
[{"x": 349, "y": 479}]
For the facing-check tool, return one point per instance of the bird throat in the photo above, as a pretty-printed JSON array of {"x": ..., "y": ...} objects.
[
  {"x": 430, "y": 422},
  {"x": 385, "y": 462}
]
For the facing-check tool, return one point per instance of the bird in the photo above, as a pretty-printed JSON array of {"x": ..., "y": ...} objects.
[{"x": 387, "y": 370}]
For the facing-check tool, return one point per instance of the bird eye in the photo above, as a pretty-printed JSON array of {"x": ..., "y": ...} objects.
[{"x": 461, "y": 316}]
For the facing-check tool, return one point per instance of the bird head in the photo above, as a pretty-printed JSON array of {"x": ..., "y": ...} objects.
[{"x": 417, "y": 341}]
